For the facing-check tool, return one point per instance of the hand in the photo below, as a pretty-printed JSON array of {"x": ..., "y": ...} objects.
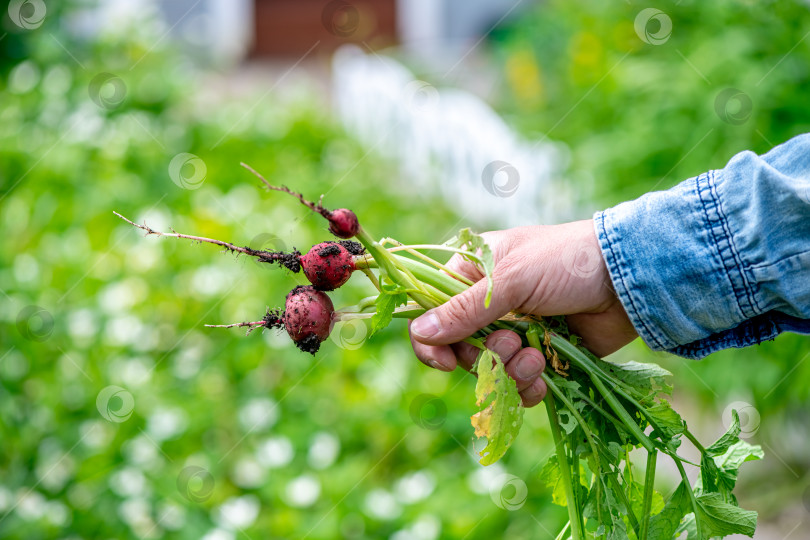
[{"x": 539, "y": 270}]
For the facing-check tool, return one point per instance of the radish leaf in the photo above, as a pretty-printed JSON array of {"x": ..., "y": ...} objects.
[
  {"x": 389, "y": 298},
  {"x": 479, "y": 253},
  {"x": 720, "y": 518},
  {"x": 499, "y": 421},
  {"x": 664, "y": 523},
  {"x": 731, "y": 436}
]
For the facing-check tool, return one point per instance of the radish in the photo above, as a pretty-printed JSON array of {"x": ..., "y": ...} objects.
[
  {"x": 343, "y": 223},
  {"x": 308, "y": 317},
  {"x": 327, "y": 265},
  {"x": 598, "y": 411}
]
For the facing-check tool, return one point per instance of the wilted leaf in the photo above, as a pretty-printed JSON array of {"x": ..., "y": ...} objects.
[{"x": 500, "y": 421}]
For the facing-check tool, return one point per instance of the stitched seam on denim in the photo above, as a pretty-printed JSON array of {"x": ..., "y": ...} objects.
[
  {"x": 707, "y": 200},
  {"x": 704, "y": 347},
  {"x": 738, "y": 266},
  {"x": 765, "y": 266},
  {"x": 625, "y": 292}
]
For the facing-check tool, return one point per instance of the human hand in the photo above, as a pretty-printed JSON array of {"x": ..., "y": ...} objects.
[{"x": 539, "y": 270}]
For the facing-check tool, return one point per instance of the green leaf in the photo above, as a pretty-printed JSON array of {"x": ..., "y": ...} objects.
[
  {"x": 500, "y": 421},
  {"x": 389, "y": 298},
  {"x": 737, "y": 454},
  {"x": 647, "y": 378},
  {"x": 720, "y": 518},
  {"x": 719, "y": 474},
  {"x": 551, "y": 477},
  {"x": 663, "y": 524},
  {"x": 666, "y": 419},
  {"x": 566, "y": 420},
  {"x": 730, "y": 437},
  {"x": 635, "y": 493},
  {"x": 479, "y": 253}
]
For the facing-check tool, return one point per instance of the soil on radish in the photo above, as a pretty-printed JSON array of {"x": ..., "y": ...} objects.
[
  {"x": 328, "y": 265},
  {"x": 308, "y": 317}
]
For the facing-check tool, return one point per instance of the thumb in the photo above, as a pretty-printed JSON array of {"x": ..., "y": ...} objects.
[{"x": 464, "y": 314}]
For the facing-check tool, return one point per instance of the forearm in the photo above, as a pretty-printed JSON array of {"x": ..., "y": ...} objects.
[{"x": 721, "y": 260}]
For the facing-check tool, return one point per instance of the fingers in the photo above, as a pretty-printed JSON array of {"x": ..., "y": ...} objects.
[
  {"x": 440, "y": 357},
  {"x": 534, "y": 394},
  {"x": 503, "y": 342},
  {"x": 522, "y": 364},
  {"x": 460, "y": 265},
  {"x": 464, "y": 314}
]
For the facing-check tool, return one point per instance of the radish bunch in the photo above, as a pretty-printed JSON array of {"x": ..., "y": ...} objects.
[{"x": 598, "y": 411}]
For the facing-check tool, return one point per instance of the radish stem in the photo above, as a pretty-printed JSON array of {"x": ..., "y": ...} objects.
[
  {"x": 565, "y": 473},
  {"x": 649, "y": 480}
]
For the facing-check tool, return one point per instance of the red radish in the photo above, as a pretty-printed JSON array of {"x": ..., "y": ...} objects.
[
  {"x": 328, "y": 265},
  {"x": 343, "y": 223},
  {"x": 308, "y": 317}
]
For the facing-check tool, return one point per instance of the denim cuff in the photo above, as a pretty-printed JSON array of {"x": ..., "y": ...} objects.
[
  {"x": 677, "y": 268},
  {"x": 720, "y": 260},
  {"x": 678, "y": 273}
]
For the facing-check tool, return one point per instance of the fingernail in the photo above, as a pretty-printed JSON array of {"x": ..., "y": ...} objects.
[
  {"x": 435, "y": 364},
  {"x": 527, "y": 367},
  {"x": 426, "y": 326},
  {"x": 508, "y": 347}
]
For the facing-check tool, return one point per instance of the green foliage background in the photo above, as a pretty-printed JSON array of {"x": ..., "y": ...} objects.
[{"x": 113, "y": 308}]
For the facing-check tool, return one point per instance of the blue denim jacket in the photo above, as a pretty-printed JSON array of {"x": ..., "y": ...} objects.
[{"x": 720, "y": 260}]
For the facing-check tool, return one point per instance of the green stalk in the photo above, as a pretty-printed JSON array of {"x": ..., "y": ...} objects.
[
  {"x": 649, "y": 481},
  {"x": 581, "y": 360},
  {"x": 613, "y": 477},
  {"x": 565, "y": 472},
  {"x": 421, "y": 271},
  {"x": 692, "y": 498},
  {"x": 575, "y": 480},
  {"x": 562, "y": 532},
  {"x": 388, "y": 264},
  {"x": 428, "y": 260},
  {"x": 570, "y": 351},
  {"x": 694, "y": 441}
]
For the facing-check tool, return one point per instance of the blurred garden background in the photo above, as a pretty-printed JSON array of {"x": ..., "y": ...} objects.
[{"x": 121, "y": 416}]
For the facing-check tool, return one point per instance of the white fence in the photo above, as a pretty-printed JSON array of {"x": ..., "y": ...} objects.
[{"x": 449, "y": 141}]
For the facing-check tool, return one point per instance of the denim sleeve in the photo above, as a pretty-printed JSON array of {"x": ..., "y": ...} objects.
[{"x": 720, "y": 260}]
